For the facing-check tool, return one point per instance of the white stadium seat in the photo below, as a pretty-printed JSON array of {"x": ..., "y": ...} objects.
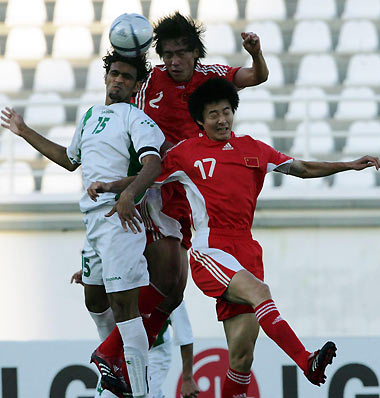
[
  {"x": 313, "y": 138},
  {"x": 21, "y": 12},
  {"x": 354, "y": 181},
  {"x": 4, "y": 101},
  {"x": 356, "y": 103},
  {"x": 270, "y": 35},
  {"x": 73, "y": 12},
  {"x": 34, "y": 48},
  {"x": 62, "y": 135},
  {"x": 219, "y": 39},
  {"x": 311, "y": 37},
  {"x": 95, "y": 76},
  {"x": 300, "y": 186},
  {"x": 255, "y": 104},
  {"x": 44, "y": 109},
  {"x": 72, "y": 42},
  {"x": 257, "y": 130},
  {"x": 16, "y": 178},
  {"x": 48, "y": 69},
  {"x": 357, "y": 36},
  {"x": 317, "y": 70},
  {"x": 113, "y": 8},
  {"x": 276, "y": 73},
  {"x": 311, "y": 9},
  {"x": 57, "y": 180},
  {"x": 13, "y": 81},
  {"x": 363, "y": 138},
  {"x": 105, "y": 44},
  {"x": 265, "y": 9},
  {"x": 87, "y": 100},
  {"x": 159, "y": 8},
  {"x": 361, "y": 9},
  {"x": 217, "y": 11},
  {"x": 213, "y": 59},
  {"x": 363, "y": 70},
  {"x": 13, "y": 147},
  {"x": 300, "y": 108}
]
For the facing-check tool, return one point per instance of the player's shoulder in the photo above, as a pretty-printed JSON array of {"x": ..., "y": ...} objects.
[
  {"x": 246, "y": 140},
  {"x": 211, "y": 70},
  {"x": 182, "y": 146}
]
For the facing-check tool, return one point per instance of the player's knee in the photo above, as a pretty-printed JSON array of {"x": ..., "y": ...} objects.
[{"x": 242, "y": 361}]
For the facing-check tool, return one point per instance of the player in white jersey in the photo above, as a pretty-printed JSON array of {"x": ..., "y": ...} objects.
[{"x": 110, "y": 141}]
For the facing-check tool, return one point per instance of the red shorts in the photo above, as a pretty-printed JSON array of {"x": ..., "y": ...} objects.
[{"x": 213, "y": 267}]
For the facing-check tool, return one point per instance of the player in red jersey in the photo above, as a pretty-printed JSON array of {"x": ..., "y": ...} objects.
[
  {"x": 164, "y": 98},
  {"x": 223, "y": 175}
]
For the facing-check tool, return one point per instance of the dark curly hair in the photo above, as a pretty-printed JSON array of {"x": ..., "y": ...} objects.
[
  {"x": 176, "y": 26},
  {"x": 141, "y": 64},
  {"x": 213, "y": 90}
]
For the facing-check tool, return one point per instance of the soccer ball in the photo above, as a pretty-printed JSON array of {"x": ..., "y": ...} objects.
[{"x": 131, "y": 35}]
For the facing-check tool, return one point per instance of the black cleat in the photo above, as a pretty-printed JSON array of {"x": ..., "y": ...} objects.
[{"x": 318, "y": 362}]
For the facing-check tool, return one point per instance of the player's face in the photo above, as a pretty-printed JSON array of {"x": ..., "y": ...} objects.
[
  {"x": 120, "y": 82},
  {"x": 217, "y": 120},
  {"x": 179, "y": 61}
]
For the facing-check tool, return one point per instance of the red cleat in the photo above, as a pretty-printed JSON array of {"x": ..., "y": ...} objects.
[{"x": 318, "y": 362}]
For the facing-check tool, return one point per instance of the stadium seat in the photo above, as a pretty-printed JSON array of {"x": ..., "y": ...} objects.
[
  {"x": 21, "y": 12},
  {"x": 44, "y": 109},
  {"x": 72, "y": 42},
  {"x": 255, "y": 104},
  {"x": 363, "y": 70},
  {"x": 361, "y": 9},
  {"x": 311, "y": 9},
  {"x": 363, "y": 138},
  {"x": 268, "y": 184},
  {"x": 257, "y": 130},
  {"x": 265, "y": 9},
  {"x": 48, "y": 70},
  {"x": 16, "y": 47},
  {"x": 16, "y": 178},
  {"x": 12, "y": 71},
  {"x": 313, "y": 138},
  {"x": 217, "y": 11},
  {"x": 356, "y": 103},
  {"x": 95, "y": 76},
  {"x": 219, "y": 39},
  {"x": 105, "y": 44},
  {"x": 317, "y": 70},
  {"x": 62, "y": 135},
  {"x": 300, "y": 108},
  {"x": 4, "y": 101},
  {"x": 311, "y": 37},
  {"x": 73, "y": 12},
  {"x": 214, "y": 59},
  {"x": 13, "y": 147},
  {"x": 354, "y": 181},
  {"x": 357, "y": 36},
  {"x": 113, "y": 8},
  {"x": 57, "y": 180},
  {"x": 270, "y": 36},
  {"x": 276, "y": 74},
  {"x": 303, "y": 187},
  {"x": 87, "y": 100},
  {"x": 159, "y": 8}
]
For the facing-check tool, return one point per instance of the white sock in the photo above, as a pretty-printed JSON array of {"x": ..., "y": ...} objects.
[
  {"x": 136, "y": 354},
  {"x": 104, "y": 321}
]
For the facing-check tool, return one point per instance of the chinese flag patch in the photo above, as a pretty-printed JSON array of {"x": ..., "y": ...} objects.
[{"x": 252, "y": 162}]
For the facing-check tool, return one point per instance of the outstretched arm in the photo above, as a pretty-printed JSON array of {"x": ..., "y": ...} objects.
[
  {"x": 258, "y": 72},
  {"x": 307, "y": 169},
  {"x": 12, "y": 121}
]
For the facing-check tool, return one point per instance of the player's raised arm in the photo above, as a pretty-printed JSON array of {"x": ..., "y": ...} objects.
[
  {"x": 258, "y": 72},
  {"x": 12, "y": 121},
  {"x": 308, "y": 169}
]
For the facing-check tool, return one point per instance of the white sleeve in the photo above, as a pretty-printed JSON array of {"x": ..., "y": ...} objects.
[
  {"x": 182, "y": 332},
  {"x": 73, "y": 151},
  {"x": 146, "y": 136}
]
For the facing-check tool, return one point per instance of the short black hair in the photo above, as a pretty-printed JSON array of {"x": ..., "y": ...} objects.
[
  {"x": 176, "y": 26},
  {"x": 213, "y": 90},
  {"x": 141, "y": 64}
]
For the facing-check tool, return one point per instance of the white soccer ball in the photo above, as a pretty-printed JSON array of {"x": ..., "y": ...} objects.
[{"x": 131, "y": 35}]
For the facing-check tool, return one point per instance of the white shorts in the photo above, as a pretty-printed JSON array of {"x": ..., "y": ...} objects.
[{"x": 112, "y": 257}]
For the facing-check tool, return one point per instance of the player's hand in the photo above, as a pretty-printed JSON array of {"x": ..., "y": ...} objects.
[
  {"x": 126, "y": 210},
  {"x": 189, "y": 388},
  {"x": 96, "y": 188},
  {"x": 251, "y": 42},
  {"x": 77, "y": 278},
  {"x": 364, "y": 162},
  {"x": 12, "y": 121}
]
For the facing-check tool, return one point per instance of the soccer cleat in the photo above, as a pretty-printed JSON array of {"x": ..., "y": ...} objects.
[
  {"x": 111, "y": 375},
  {"x": 317, "y": 363}
]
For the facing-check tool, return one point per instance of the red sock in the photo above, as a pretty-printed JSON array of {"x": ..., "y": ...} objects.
[
  {"x": 154, "y": 324},
  {"x": 149, "y": 298},
  {"x": 236, "y": 384},
  {"x": 281, "y": 333}
]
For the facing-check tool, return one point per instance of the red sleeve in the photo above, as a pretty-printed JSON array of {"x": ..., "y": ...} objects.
[{"x": 273, "y": 157}]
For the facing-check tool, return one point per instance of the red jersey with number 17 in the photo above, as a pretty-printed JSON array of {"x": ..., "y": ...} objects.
[
  {"x": 165, "y": 100},
  {"x": 222, "y": 179}
]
